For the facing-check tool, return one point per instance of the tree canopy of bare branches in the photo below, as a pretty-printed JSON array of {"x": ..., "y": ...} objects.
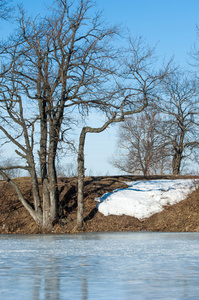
[
  {"x": 5, "y": 9},
  {"x": 179, "y": 105},
  {"x": 142, "y": 150},
  {"x": 60, "y": 66},
  {"x": 50, "y": 67}
]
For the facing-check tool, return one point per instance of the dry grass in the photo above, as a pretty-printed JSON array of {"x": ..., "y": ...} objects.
[{"x": 183, "y": 216}]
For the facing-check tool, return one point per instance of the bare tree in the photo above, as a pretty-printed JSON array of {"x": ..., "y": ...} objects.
[
  {"x": 141, "y": 148},
  {"x": 131, "y": 95},
  {"x": 57, "y": 66},
  {"x": 81, "y": 170},
  {"x": 179, "y": 105}
]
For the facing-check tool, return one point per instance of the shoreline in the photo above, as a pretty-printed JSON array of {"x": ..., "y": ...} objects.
[{"x": 14, "y": 219}]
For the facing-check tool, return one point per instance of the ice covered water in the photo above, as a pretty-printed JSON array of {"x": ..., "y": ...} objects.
[{"x": 100, "y": 266}]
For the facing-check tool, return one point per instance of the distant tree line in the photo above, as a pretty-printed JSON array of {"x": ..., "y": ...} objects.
[
  {"x": 59, "y": 69},
  {"x": 163, "y": 136}
]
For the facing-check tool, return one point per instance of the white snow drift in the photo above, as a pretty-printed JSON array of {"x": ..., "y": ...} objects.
[{"x": 145, "y": 198}]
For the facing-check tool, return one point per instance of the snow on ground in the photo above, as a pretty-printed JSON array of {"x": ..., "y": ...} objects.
[{"x": 145, "y": 198}]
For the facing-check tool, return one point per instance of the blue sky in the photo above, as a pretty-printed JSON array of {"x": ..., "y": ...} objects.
[
  {"x": 171, "y": 24},
  {"x": 168, "y": 23}
]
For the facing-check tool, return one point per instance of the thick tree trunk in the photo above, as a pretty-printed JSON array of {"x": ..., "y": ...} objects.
[
  {"x": 176, "y": 163},
  {"x": 50, "y": 198},
  {"x": 52, "y": 175},
  {"x": 80, "y": 195},
  {"x": 178, "y": 151},
  {"x": 37, "y": 202},
  {"x": 48, "y": 178},
  {"x": 47, "y": 223},
  {"x": 35, "y": 187},
  {"x": 54, "y": 194}
]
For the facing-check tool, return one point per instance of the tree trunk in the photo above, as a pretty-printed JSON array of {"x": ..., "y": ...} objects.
[
  {"x": 176, "y": 163},
  {"x": 80, "y": 195},
  {"x": 85, "y": 130},
  {"x": 47, "y": 223},
  {"x": 53, "y": 189},
  {"x": 44, "y": 156},
  {"x": 52, "y": 175},
  {"x": 35, "y": 187}
]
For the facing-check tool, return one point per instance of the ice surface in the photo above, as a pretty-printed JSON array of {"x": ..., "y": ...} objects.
[
  {"x": 145, "y": 198},
  {"x": 113, "y": 266}
]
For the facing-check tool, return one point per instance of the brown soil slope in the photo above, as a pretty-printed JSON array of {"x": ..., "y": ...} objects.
[{"x": 183, "y": 216}]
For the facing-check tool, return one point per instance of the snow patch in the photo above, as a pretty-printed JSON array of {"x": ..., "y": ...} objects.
[{"x": 142, "y": 199}]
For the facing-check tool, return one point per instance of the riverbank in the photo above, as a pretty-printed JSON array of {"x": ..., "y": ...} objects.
[{"x": 181, "y": 217}]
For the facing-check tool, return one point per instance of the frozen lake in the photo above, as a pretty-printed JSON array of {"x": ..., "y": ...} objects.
[{"x": 100, "y": 266}]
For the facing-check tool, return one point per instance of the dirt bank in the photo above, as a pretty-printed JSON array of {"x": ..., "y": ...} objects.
[{"x": 180, "y": 217}]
